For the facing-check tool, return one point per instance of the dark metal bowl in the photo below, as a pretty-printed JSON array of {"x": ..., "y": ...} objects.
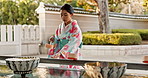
[
  {"x": 22, "y": 64},
  {"x": 105, "y": 69}
]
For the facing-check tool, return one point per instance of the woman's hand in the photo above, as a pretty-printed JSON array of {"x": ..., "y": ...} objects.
[
  {"x": 56, "y": 55},
  {"x": 72, "y": 56},
  {"x": 48, "y": 46},
  {"x": 51, "y": 39}
]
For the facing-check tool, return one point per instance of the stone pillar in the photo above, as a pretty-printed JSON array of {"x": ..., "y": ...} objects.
[
  {"x": 41, "y": 11},
  {"x": 47, "y": 25}
]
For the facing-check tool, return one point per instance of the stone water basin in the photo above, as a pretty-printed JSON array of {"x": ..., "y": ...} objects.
[{"x": 22, "y": 65}]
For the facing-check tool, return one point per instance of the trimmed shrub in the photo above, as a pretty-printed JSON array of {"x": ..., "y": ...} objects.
[
  {"x": 143, "y": 32},
  {"x": 114, "y": 39}
]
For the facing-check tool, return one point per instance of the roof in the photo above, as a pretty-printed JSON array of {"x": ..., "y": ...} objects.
[{"x": 49, "y": 7}]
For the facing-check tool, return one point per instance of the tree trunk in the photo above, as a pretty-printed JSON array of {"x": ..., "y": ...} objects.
[{"x": 103, "y": 16}]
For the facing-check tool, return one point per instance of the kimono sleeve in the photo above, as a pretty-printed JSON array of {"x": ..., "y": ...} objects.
[
  {"x": 57, "y": 32},
  {"x": 75, "y": 40}
]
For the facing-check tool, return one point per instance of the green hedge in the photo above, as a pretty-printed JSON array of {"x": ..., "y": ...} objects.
[
  {"x": 143, "y": 32},
  {"x": 116, "y": 38}
]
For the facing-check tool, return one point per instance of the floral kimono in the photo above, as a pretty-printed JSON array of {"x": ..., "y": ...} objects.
[
  {"x": 67, "y": 39},
  {"x": 61, "y": 73}
]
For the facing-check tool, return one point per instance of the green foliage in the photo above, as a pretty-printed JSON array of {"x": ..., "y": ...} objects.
[
  {"x": 145, "y": 5},
  {"x": 8, "y": 13},
  {"x": 124, "y": 30},
  {"x": 86, "y": 5},
  {"x": 111, "y": 39},
  {"x": 143, "y": 32},
  {"x": 55, "y": 2},
  {"x": 72, "y": 2},
  {"x": 114, "y": 5},
  {"x": 0, "y": 12},
  {"x": 27, "y": 13},
  {"x": 4, "y": 69},
  {"x": 60, "y": 2},
  {"x": 18, "y": 12},
  {"x": 23, "y": 11}
]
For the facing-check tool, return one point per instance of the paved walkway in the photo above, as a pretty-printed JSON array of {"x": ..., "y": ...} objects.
[
  {"x": 131, "y": 59},
  {"x": 145, "y": 42},
  {"x": 120, "y": 58}
]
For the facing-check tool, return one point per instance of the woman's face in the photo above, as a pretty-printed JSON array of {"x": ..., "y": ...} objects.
[{"x": 66, "y": 16}]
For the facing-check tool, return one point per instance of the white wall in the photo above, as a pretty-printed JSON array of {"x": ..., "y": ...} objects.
[
  {"x": 125, "y": 23},
  {"x": 49, "y": 21}
]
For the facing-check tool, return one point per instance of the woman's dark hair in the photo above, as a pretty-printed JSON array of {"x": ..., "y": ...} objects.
[{"x": 68, "y": 8}]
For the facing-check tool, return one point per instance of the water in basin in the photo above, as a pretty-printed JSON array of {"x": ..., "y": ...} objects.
[{"x": 52, "y": 72}]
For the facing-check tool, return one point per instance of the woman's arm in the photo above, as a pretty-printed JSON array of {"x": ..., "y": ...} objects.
[
  {"x": 48, "y": 46},
  {"x": 51, "y": 40}
]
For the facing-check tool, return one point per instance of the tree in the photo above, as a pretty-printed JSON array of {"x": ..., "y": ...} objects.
[
  {"x": 26, "y": 12},
  {"x": 114, "y": 5},
  {"x": 87, "y": 5},
  {"x": 145, "y": 5},
  {"x": 0, "y": 12},
  {"x": 133, "y": 7},
  {"x": 103, "y": 19},
  {"x": 101, "y": 7},
  {"x": 18, "y": 12},
  {"x": 103, "y": 16},
  {"x": 61, "y": 2},
  {"x": 72, "y": 2},
  {"x": 8, "y": 12},
  {"x": 55, "y": 2}
]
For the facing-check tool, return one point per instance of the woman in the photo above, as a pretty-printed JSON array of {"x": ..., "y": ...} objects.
[{"x": 67, "y": 40}]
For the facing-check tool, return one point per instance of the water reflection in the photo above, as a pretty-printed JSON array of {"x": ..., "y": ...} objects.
[
  {"x": 4, "y": 70},
  {"x": 48, "y": 72},
  {"x": 52, "y": 72},
  {"x": 41, "y": 72}
]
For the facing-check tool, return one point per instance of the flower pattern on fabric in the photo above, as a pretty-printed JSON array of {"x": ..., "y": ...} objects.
[
  {"x": 66, "y": 47},
  {"x": 51, "y": 52},
  {"x": 57, "y": 33},
  {"x": 74, "y": 23},
  {"x": 73, "y": 30},
  {"x": 73, "y": 34}
]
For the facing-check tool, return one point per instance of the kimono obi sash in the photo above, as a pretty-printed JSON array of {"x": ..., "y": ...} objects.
[{"x": 62, "y": 42}]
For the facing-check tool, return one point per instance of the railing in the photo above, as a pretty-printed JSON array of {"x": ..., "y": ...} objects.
[
  {"x": 12, "y": 37},
  {"x": 9, "y": 34},
  {"x": 10, "y": 41},
  {"x": 49, "y": 7},
  {"x": 30, "y": 34}
]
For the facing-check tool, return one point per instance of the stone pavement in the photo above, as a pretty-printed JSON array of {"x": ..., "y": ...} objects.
[
  {"x": 131, "y": 58},
  {"x": 114, "y": 50}
]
